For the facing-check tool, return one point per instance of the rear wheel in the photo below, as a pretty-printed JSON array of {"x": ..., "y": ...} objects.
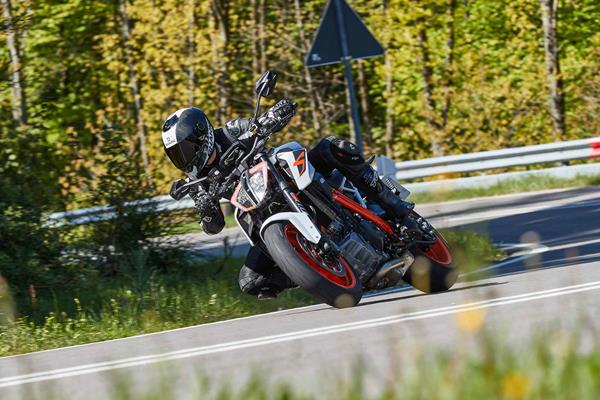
[
  {"x": 434, "y": 269},
  {"x": 330, "y": 279}
]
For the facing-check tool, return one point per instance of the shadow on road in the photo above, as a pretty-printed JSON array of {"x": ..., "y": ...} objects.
[
  {"x": 570, "y": 232},
  {"x": 490, "y": 204},
  {"x": 399, "y": 298}
]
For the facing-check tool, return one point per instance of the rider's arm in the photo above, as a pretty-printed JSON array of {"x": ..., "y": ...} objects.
[
  {"x": 274, "y": 120},
  {"x": 236, "y": 128},
  {"x": 276, "y": 117}
]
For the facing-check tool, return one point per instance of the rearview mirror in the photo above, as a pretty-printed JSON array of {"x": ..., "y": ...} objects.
[
  {"x": 265, "y": 84},
  {"x": 179, "y": 189}
]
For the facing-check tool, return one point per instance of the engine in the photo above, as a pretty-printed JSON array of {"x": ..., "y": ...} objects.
[{"x": 361, "y": 256}]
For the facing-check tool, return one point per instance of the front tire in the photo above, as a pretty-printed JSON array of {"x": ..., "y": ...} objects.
[
  {"x": 332, "y": 281},
  {"x": 434, "y": 269}
]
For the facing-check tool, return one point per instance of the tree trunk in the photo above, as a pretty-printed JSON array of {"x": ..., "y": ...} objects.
[
  {"x": 192, "y": 53},
  {"x": 135, "y": 90},
  {"x": 555, "y": 82},
  {"x": 255, "y": 46},
  {"x": 364, "y": 103},
  {"x": 389, "y": 117},
  {"x": 220, "y": 10},
  {"x": 307, "y": 76},
  {"x": 17, "y": 85},
  {"x": 448, "y": 65},
  {"x": 261, "y": 36},
  {"x": 427, "y": 74}
]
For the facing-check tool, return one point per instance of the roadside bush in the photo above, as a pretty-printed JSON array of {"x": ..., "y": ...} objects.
[{"x": 46, "y": 267}]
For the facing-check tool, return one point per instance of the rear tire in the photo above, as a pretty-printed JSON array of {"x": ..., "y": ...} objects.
[
  {"x": 293, "y": 255},
  {"x": 434, "y": 269}
]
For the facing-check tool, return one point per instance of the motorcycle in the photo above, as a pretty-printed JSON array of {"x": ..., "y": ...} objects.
[{"x": 320, "y": 231}]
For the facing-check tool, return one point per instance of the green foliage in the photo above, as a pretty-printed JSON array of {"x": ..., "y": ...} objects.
[
  {"x": 143, "y": 299},
  {"x": 488, "y": 84},
  {"x": 471, "y": 250},
  {"x": 81, "y": 143},
  {"x": 131, "y": 305}
]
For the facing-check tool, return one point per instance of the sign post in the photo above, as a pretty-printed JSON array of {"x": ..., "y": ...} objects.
[{"x": 354, "y": 41}]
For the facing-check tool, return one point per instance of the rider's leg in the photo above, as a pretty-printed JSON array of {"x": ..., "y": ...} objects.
[
  {"x": 332, "y": 153},
  {"x": 261, "y": 277}
]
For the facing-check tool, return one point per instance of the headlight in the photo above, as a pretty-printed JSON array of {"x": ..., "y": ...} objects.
[
  {"x": 258, "y": 185},
  {"x": 252, "y": 189},
  {"x": 258, "y": 181}
]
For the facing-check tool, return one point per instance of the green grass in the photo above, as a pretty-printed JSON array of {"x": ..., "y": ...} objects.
[
  {"x": 145, "y": 301},
  {"x": 471, "y": 250},
  {"x": 119, "y": 307},
  {"x": 522, "y": 185}
]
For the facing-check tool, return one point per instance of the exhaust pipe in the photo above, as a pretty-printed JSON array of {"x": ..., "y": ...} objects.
[{"x": 390, "y": 273}]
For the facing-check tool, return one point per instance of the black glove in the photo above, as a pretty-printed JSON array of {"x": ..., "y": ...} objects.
[
  {"x": 211, "y": 217},
  {"x": 277, "y": 117},
  {"x": 204, "y": 204}
]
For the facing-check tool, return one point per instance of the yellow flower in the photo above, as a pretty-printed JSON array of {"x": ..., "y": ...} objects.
[
  {"x": 470, "y": 320},
  {"x": 515, "y": 386}
]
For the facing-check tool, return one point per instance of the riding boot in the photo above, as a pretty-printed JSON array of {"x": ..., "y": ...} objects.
[
  {"x": 343, "y": 155},
  {"x": 376, "y": 190}
]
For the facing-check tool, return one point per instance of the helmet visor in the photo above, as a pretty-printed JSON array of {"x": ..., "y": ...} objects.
[{"x": 182, "y": 154}]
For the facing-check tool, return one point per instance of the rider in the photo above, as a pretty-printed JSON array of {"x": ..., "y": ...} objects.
[{"x": 196, "y": 148}]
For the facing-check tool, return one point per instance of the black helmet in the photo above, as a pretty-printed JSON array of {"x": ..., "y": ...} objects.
[{"x": 188, "y": 138}]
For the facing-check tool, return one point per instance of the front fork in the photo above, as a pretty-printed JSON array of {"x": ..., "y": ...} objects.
[{"x": 290, "y": 197}]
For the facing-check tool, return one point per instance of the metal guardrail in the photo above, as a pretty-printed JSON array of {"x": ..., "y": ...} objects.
[
  {"x": 487, "y": 160},
  {"x": 473, "y": 162},
  {"x": 105, "y": 213}
]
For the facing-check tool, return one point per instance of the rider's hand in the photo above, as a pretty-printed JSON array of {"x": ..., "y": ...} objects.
[
  {"x": 283, "y": 110},
  {"x": 204, "y": 204},
  {"x": 277, "y": 117}
]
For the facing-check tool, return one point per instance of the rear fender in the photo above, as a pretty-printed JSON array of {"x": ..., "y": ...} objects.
[{"x": 301, "y": 221}]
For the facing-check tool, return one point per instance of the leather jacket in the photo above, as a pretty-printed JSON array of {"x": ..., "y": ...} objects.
[{"x": 212, "y": 219}]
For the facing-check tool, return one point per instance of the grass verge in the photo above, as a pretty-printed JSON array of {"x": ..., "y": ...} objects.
[
  {"x": 522, "y": 185},
  {"x": 146, "y": 301},
  {"x": 121, "y": 307},
  {"x": 471, "y": 250}
]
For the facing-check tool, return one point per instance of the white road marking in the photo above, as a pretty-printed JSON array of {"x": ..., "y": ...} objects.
[
  {"x": 184, "y": 328},
  {"x": 531, "y": 251},
  {"x": 297, "y": 335},
  {"x": 571, "y": 245}
]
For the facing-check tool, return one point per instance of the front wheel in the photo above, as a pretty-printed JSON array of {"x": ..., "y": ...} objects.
[
  {"x": 331, "y": 280},
  {"x": 433, "y": 269}
]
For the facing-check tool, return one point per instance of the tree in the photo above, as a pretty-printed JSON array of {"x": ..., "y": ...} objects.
[
  {"x": 555, "y": 81},
  {"x": 17, "y": 83},
  {"x": 135, "y": 90}
]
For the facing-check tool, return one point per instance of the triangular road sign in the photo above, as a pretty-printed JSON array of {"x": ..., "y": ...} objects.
[{"x": 327, "y": 47}]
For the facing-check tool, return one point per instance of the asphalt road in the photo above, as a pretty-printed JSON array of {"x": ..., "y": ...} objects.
[{"x": 551, "y": 281}]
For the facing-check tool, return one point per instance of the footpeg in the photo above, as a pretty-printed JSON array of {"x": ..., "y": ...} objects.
[{"x": 390, "y": 273}]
